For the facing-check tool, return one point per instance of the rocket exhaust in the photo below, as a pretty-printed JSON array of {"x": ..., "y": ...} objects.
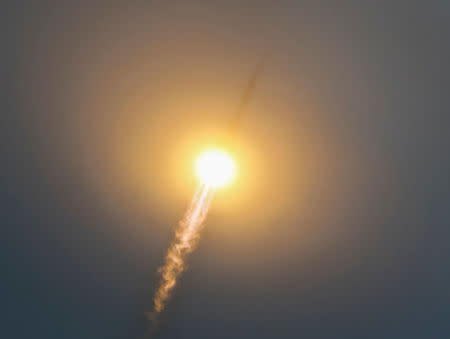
[
  {"x": 186, "y": 239},
  {"x": 188, "y": 231}
]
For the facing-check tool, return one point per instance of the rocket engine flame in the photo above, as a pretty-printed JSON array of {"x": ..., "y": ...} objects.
[
  {"x": 186, "y": 238},
  {"x": 215, "y": 167}
]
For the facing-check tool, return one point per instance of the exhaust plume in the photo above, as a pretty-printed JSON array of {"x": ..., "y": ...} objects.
[{"x": 186, "y": 238}]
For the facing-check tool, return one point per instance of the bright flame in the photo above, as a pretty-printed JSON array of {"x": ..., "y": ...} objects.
[{"x": 215, "y": 167}]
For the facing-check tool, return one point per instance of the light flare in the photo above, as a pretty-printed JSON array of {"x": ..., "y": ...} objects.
[{"x": 215, "y": 167}]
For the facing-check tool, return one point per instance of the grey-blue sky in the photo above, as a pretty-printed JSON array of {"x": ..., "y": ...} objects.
[{"x": 363, "y": 87}]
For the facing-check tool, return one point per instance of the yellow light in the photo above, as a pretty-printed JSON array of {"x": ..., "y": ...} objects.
[{"x": 215, "y": 167}]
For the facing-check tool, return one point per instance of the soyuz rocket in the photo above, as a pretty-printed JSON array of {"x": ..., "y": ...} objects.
[{"x": 228, "y": 138}]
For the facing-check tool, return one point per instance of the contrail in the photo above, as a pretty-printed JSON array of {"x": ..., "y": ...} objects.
[
  {"x": 186, "y": 238},
  {"x": 216, "y": 169}
]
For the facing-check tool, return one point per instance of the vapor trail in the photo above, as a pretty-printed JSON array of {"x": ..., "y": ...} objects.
[{"x": 186, "y": 238}]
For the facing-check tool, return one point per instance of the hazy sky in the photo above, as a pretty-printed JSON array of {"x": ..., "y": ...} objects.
[{"x": 338, "y": 223}]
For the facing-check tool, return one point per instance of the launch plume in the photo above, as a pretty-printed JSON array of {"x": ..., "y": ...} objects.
[
  {"x": 186, "y": 238},
  {"x": 215, "y": 168}
]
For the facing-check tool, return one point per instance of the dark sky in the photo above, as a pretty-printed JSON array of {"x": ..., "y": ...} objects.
[{"x": 338, "y": 226}]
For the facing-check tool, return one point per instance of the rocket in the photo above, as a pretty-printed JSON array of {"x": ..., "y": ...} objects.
[
  {"x": 245, "y": 98},
  {"x": 231, "y": 131}
]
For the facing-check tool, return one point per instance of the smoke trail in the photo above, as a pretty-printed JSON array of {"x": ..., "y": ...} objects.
[{"x": 186, "y": 238}]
